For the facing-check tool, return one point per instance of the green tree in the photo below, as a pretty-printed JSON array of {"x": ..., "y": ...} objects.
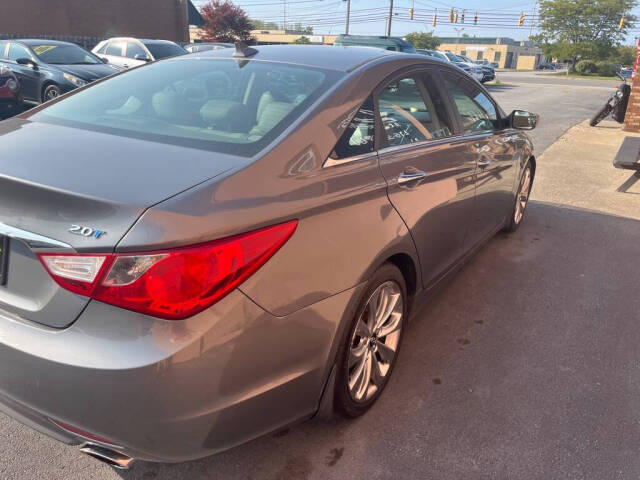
[
  {"x": 299, "y": 28},
  {"x": 262, "y": 25},
  {"x": 426, "y": 40},
  {"x": 302, "y": 41},
  {"x": 583, "y": 28},
  {"x": 624, "y": 55}
]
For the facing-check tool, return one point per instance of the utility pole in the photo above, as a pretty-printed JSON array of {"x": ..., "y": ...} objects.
[
  {"x": 346, "y": 30},
  {"x": 390, "y": 17},
  {"x": 284, "y": 14},
  {"x": 535, "y": 6}
]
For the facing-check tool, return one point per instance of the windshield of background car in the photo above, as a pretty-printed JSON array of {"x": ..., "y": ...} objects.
[
  {"x": 222, "y": 105},
  {"x": 64, "y": 55},
  {"x": 163, "y": 50},
  {"x": 439, "y": 55}
]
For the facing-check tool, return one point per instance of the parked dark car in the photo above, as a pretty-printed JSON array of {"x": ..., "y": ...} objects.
[
  {"x": 206, "y": 46},
  {"x": 214, "y": 246},
  {"x": 386, "y": 43},
  {"x": 126, "y": 52},
  {"x": 47, "y": 68},
  {"x": 10, "y": 97},
  {"x": 546, "y": 66}
]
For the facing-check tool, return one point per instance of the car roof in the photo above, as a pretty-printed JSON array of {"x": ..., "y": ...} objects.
[
  {"x": 321, "y": 56},
  {"x": 143, "y": 40},
  {"x": 38, "y": 41}
]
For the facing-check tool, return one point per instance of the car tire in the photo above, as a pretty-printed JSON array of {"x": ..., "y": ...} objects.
[
  {"x": 50, "y": 93},
  {"x": 521, "y": 199},
  {"x": 371, "y": 348}
]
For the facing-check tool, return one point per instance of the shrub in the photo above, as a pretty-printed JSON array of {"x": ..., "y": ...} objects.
[
  {"x": 586, "y": 67},
  {"x": 606, "y": 69}
]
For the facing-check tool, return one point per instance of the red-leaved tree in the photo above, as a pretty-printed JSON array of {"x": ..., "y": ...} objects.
[{"x": 224, "y": 22}]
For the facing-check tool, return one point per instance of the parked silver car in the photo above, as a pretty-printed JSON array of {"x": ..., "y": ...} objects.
[
  {"x": 128, "y": 52},
  {"x": 207, "y": 249}
]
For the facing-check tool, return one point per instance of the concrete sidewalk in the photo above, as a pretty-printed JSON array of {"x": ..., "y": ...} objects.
[{"x": 577, "y": 171}]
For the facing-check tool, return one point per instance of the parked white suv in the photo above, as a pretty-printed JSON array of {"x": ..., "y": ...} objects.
[{"x": 130, "y": 52}]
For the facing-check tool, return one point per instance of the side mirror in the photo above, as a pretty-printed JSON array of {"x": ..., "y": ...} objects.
[
  {"x": 27, "y": 61},
  {"x": 104, "y": 59},
  {"x": 142, "y": 57},
  {"x": 523, "y": 120}
]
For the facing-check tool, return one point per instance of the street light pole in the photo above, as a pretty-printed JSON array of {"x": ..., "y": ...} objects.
[
  {"x": 346, "y": 30},
  {"x": 390, "y": 17}
]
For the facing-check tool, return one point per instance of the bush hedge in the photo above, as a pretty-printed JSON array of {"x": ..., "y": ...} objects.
[
  {"x": 606, "y": 69},
  {"x": 586, "y": 67},
  {"x": 590, "y": 67}
]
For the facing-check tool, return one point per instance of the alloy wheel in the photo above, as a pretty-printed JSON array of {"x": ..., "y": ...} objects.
[
  {"x": 52, "y": 93},
  {"x": 523, "y": 196},
  {"x": 375, "y": 341}
]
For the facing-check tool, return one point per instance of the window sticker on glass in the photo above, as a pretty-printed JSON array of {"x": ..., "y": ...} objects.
[{"x": 40, "y": 49}]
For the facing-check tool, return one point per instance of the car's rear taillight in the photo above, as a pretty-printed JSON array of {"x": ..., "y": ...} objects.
[{"x": 172, "y": 284}]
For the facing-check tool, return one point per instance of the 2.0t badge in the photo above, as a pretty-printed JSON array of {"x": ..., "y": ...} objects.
[{"x": 86, "y": 231}]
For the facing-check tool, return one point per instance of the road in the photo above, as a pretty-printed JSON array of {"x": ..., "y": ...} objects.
[
  {"x": 510, "y": 372},
  {"x": 561, "y": 102}
]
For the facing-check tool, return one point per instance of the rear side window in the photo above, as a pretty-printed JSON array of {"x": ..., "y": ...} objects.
[
  {"x": 358, "y": 138},
  {"x": 477, "y": 112},
  {"x": 412, "y": 111},
  {"x": 3, "y": 47},
  {"x": 163, "y": 50},
  {"x": 222, "y": 105}
]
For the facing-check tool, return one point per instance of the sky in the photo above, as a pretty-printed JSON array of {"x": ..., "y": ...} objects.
[{"x": 496, "y": 18}]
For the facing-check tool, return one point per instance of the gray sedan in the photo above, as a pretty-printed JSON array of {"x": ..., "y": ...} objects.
[{"x": 210, "y": 248}]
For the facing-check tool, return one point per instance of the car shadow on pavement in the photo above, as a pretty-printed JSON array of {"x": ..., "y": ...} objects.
[
  {"x": 499, "y": 88},
  {"x": 516, "y": 368}
]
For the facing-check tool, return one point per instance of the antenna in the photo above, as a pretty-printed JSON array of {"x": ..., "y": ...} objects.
[{"x": 243, "y": 50}]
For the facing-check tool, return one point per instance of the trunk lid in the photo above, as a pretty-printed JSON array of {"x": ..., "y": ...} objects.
[{"x": 54, "y": 177}]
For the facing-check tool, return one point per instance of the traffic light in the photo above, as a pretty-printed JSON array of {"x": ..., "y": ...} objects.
[
  {"x": 622, "y": 21},
  {"x": 451, "y": 15},
  {"x": 475, "y": 19},
  {"x": 462, "y": 17},
  {"x": 455, "y": 18},
  {"x": 521, "y": 21},
  {"x": 435, "y": 19},
  {"x": 411, "y": 13}
]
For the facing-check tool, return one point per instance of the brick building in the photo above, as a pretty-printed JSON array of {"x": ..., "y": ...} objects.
[{"x": 88, "y": 21}]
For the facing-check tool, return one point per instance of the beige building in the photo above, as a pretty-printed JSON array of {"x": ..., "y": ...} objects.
[
  {"x": 506, "y": 52},
  {"x": 277, "y": 37}
]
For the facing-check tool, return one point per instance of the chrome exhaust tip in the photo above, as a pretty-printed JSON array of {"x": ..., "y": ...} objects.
[{"x": 106, "y": 455}]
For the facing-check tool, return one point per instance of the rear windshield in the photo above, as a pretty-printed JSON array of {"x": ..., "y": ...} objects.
[
  {"x": 223, "y": 105},
  {"x": 64, "y": 55},
  {"x": 164, "y": 50}
]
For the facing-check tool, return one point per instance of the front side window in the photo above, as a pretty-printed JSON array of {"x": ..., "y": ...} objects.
[
  {"x": 216, "y": 104},
  {"x": 134, "y": 49},
  {"x": 115, "y": 49},
  {"x": 3, "y": 47},
  {"x": 358, "y": 138},
  {"x": 64, "y": 55},
  {"x": 411, "y": 111},
  {"x": 17, "y": 51},
  {"x": 477, "y": 112}
]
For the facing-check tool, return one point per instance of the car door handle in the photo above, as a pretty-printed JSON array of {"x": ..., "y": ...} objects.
[
  {"x": 484, "y": 162},
  {"x": 410, "y": 176},
  {"x": 125, "y": 65}
]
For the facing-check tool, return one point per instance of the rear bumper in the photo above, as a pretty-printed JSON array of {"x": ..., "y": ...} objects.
[{"x": 170, "y": 390}]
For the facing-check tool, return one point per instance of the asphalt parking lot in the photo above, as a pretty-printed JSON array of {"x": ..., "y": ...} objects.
[{"x": 525, "y": 365}]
